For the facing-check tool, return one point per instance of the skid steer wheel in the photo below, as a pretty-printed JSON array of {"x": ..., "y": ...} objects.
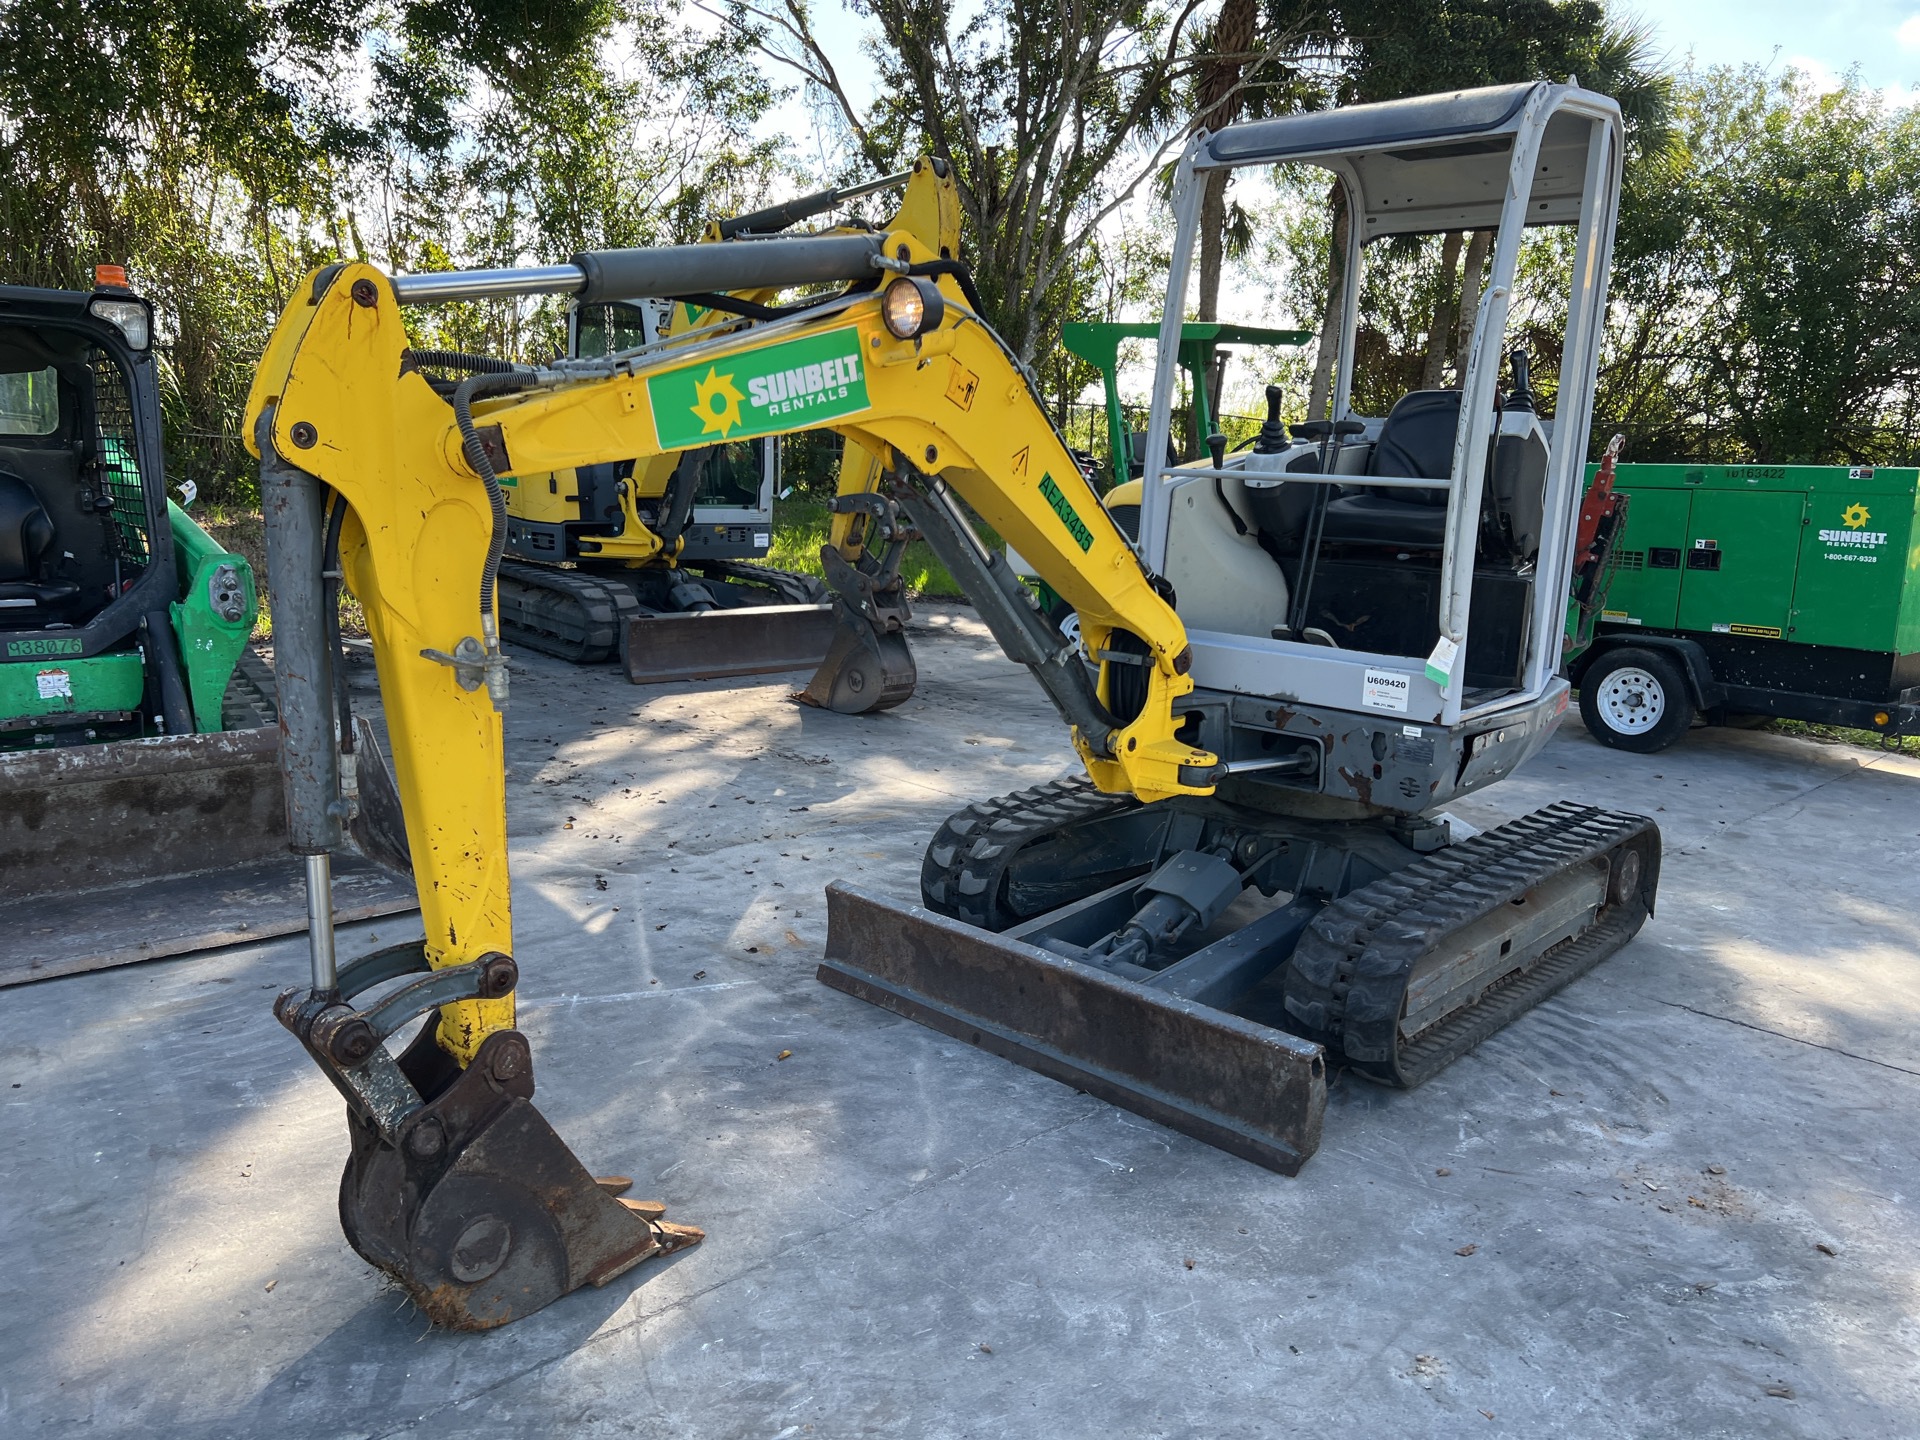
[{"x": 1635, "y": 700}]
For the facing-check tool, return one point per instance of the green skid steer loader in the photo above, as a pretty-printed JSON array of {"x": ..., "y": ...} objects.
[{"x": 141, "y": 812}]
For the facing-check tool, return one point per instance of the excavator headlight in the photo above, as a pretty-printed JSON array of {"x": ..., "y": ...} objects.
[
  {"x": 130, "y": 317},
  {"x": 912, "y": 306}
]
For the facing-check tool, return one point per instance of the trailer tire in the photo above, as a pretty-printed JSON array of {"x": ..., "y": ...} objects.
[{"x": 1635, "y": 699}]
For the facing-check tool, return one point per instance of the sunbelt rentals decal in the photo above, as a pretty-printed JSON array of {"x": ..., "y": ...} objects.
[
  {"x": 794, "y": 384},
  {"x": 1851, "y": 539}
]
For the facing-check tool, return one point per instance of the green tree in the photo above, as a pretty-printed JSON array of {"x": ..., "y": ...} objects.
[
  {"x": 1051, "y": 116},
  {"x": 1766, "y": 300},
  {"x": 213, "y": 146}
]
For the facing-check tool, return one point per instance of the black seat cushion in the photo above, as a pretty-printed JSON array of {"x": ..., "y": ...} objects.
[
  {"x": 26, "y": 530},
  {"x": 1415, "y": 442},
  {"x": 1374, "y": 519}
]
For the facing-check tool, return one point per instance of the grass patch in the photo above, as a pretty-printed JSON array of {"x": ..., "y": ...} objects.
[
  {"x": 1843, "y": 735},
  {"x": 800, "y": 529}
]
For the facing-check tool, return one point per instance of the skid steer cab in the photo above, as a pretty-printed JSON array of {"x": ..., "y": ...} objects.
[{"x": 137, "y": 738}]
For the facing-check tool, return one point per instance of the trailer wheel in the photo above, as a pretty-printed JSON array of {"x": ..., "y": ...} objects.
[
  {"x": 1066, "y": 620},
  {"x": 1635, "y": 700}
]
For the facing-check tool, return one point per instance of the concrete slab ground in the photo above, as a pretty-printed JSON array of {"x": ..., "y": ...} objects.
[{"x": 1677, "y": 1200}]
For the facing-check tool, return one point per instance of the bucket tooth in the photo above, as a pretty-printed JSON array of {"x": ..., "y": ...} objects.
[{"x": 1250, "y": 1090}]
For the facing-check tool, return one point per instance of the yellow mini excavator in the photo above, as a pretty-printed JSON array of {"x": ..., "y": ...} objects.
[{"x": 1232, "y": 759}]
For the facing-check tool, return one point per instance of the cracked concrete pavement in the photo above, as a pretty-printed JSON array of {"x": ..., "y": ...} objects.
[{"x": 1609, "y": 1220}]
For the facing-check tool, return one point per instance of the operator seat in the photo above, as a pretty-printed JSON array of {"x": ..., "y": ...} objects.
[
  {"x": 1416, "y": 442},
  {"x": 27, "y": 538}
]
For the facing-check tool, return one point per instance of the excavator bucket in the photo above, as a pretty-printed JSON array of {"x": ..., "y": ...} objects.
[
  {"x": 1251, "y": 1090},
  {"x": 138, "y": 849},
  {"x": 713, "y": 644},
  {"x": 455, "y": 1184}
]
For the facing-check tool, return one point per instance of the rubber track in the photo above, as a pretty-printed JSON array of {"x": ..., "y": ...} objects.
[
  {"x": 578, "y": 615},
  {"x": 573, "y": 614},
  {"x": 967, "y": 859},
  {"x": 788, "y": 588},
  {"x": 1347, "y": 980},
  {"x": 251, "y": 700}
]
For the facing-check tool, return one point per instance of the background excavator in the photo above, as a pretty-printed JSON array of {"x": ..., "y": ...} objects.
[
  {"x": 613, "y": 560},
  {"x": 1125, "y": 932}
]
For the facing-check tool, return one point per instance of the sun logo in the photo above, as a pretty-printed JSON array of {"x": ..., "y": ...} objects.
[
  {"x": 1854, "y": 517},
  {"x": 717, "y": 403}
]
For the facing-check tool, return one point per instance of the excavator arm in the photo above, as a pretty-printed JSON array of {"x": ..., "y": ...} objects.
[{"x": 375, "y": 471}]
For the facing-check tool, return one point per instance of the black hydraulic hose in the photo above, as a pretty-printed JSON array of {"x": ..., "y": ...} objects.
[
  {"x": 475, "y": 450},
  {"x": 682, "y": 490},
  {"x": 734, "y": 305},
  {"x": 330, "y": 607},
  {"x": 959, "y": 272},
  {"x": 458, "y": 360}
]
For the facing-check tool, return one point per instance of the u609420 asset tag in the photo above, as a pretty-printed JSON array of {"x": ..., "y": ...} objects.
[{"x": 1386, "y": 690}]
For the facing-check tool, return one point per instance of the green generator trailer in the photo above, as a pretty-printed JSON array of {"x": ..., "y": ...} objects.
[
  {"x": 140, "y": 800},
  {"x": 1757, "y": 590}
]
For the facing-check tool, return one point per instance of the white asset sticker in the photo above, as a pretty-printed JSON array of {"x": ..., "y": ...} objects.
[
  {"x": 761, "y": 539},
  {"x": 54, "y": 684},
  {"x": 1386, "y": 690}
]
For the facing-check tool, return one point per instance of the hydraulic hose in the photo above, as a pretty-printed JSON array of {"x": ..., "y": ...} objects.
[
  {"x": 683, "y": 491},
  {"x": 459, "y": 360},
  {"x": 493, "y": 380}
]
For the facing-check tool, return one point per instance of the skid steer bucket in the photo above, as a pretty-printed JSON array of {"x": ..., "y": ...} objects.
[
  {"x": 139, "y": 849},
  {"x": 712, "y": 644},
  {"x": 1253, "y": 1091}
]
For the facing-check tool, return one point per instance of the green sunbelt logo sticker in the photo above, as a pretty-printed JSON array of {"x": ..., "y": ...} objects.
[
  {"x": 806, "y": 381},
  {"x": 1062, "y": 507}
]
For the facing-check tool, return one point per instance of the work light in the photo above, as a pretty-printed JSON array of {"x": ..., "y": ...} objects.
[
  {"x": 912, "y": 306},
  {"x": 129, "y": 317}
]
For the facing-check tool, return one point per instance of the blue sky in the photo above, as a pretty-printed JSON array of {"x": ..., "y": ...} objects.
[{"x": 1825, "y": 37}]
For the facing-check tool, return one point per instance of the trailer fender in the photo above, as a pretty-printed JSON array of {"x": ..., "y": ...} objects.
[{"x": 1706, "y": 691}]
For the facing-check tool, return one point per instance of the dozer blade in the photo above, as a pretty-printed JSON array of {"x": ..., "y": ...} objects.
[
  {"x": 712, "y": 644},
  {"x": 1253, "y": 1091},
  {"x": 139, "y": 849}
]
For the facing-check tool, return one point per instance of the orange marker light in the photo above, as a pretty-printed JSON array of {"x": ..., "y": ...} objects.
[{"x": 110, "y": 277}]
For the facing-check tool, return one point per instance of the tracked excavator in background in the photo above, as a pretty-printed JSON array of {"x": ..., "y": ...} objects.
[
  {"x": 657, "y": 561},
  {"x": 1083, "y": 927}
]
